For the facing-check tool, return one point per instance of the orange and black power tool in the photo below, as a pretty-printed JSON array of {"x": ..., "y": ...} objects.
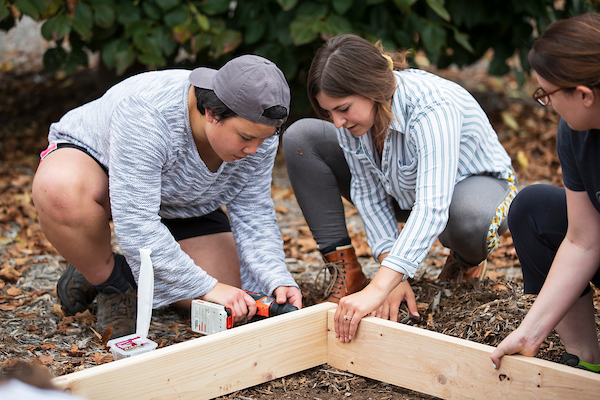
[
  {"x": 267, "y": 306},
  {"x": 208, "y": 318}
]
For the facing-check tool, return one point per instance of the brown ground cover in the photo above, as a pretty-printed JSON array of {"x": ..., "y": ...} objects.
[{"x": 34, "y": 329}]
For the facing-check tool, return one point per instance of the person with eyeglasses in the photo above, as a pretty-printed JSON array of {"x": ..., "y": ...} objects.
[
  {"x": 160, "y": 154},
  {"x": 556, "y": 231},
  {"x": 403, "y": 145}
]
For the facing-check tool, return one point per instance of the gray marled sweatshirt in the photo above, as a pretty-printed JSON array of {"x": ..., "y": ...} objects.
[{"x": 140, "y": 130}]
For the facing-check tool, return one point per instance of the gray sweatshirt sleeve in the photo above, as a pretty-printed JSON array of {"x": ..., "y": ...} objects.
[
  {"x": 258, "y": 239},
  {"x": 140, "y": 143}
]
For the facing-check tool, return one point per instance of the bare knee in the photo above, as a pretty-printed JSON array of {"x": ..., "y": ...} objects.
[{"x": 64, "y": 201}]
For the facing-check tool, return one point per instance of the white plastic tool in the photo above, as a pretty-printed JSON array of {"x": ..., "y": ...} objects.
[{"x": 137, "y": 343}]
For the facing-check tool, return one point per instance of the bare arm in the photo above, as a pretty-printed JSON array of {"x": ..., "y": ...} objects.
[{"x": 575, "y": 264}]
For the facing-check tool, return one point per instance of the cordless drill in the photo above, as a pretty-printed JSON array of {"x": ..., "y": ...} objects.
[
  {"x": 267, "y": 306},
  {"x": 207, "y": 317}
]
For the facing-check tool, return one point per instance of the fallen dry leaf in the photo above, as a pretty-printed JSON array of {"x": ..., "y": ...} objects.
[
  {"x": 21, "y": 261},
  {"x": 278, "y": 193},
  {"x": 75, "y": 352},
  {"x": 13, "y": 291},
  {"x": 99, "y": 358},
  {"x": 98, "y": 336},
  {"x": 45, "y": 359},
  {"x": 500, "y": 287},
  {"x": 11, "y": 306},
  {"x": 281, "y": 209},
  {"x": 85, "y": 318},
  {"x": 359, "y": 242},
  {"x": 350, "y": 212},
  {"x": 36, "y": 293},
  {"x": 175, "y": 330},
  {"x": 9, "y": 274},
  {"x": 29, "y": 316},
  {"x": 286, "y": 237},
  {"x": 57, "y": 309},
  {"x": 295, "y": 253},
  {"x": 304, "y": 231},
  {"x": 522, "y": 159},
  {"x": 21, "y": 180},
  {"x": 307, "y": 245},
  {"x": 106, "y": 335},
  {"x": 494, "y": 275}
]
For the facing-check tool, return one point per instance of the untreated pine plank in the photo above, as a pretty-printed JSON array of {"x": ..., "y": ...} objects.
[
  {"x": 452, "y": 368},
  {"x": 213, "y": 365}
]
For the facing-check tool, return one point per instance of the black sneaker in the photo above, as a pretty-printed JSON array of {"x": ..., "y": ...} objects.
[
  {"x": 573, "y": 361},
  {"x": 118, "y": 310},
  {"x": 75, "y": 293}
]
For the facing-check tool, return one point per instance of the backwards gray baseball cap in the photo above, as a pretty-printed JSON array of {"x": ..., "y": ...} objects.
[{"x": 248, "y": 85}]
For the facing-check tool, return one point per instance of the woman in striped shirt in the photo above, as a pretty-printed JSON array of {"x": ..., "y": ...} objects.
[{"x": 404, "y": 146}]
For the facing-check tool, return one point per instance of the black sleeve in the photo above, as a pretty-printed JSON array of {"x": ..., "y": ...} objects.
[{"x": 566, "y": 146}]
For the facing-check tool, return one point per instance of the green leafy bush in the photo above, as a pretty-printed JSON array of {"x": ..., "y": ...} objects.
[{"x": 154, "y": 32}]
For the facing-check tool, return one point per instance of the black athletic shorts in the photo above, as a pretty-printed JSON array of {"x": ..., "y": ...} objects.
[
  {"x": 185, "y": 228},
  {"x": 60, "y": 145}
]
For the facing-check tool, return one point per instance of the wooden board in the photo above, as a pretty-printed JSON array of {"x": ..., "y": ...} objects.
[
  {"x": 452, "y": 368},
  {"x": 409, "y": 357},
  {"x": 213, "y": 365}
]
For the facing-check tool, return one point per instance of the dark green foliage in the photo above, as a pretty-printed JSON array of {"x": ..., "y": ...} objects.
[{"x": 152, "y": 32}]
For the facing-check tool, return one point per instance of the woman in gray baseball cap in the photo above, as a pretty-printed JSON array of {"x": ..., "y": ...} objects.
[{"x": 160, "y": 154}]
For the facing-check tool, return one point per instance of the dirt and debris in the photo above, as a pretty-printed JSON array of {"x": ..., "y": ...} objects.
[{"x": 33, "y": 327}]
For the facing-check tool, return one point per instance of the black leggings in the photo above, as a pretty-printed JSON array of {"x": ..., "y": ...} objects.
[
  {"x": 538, "y": 224},
  {"x": 320, "y": 176}
]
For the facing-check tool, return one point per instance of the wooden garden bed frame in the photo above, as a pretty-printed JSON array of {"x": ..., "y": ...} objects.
[{"x": 248, "y": 355}]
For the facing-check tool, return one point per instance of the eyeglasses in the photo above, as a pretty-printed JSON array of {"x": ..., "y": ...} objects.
[{"x": 541, "y": 96}]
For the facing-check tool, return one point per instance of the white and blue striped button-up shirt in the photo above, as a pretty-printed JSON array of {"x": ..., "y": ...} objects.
[{"x": 439, "y": 136}]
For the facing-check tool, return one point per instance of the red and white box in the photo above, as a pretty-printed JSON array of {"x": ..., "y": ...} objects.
[{"x": 130, "y": 345}]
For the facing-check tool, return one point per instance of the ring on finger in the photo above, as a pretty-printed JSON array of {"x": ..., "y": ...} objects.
[{"x": 347, "y": 318}]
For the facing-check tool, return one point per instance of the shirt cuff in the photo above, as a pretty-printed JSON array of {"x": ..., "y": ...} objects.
[
  {"x": 281, "y": 282},
  {"x": 400, "y": 265},
  {"x": 382, "y": 246}
]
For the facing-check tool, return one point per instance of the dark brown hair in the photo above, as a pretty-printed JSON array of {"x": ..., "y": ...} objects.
[
  {"x": 207, "y": 99},
  {"x": 349, "y": 65},
  {"x": 567, "y": 54}
]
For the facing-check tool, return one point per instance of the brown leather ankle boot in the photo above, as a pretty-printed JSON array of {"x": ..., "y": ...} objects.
[
  {"x": 456, "y": 270},
  {"x": 346, "y": 273}
]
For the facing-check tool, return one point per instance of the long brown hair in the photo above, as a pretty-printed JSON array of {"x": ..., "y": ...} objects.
[
  {"x": 567, "y": 54},
  {"x": 349, "y": 65}
]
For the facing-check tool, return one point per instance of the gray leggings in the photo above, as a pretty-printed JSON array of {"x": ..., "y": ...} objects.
[{"x": 320, "y": 177}]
